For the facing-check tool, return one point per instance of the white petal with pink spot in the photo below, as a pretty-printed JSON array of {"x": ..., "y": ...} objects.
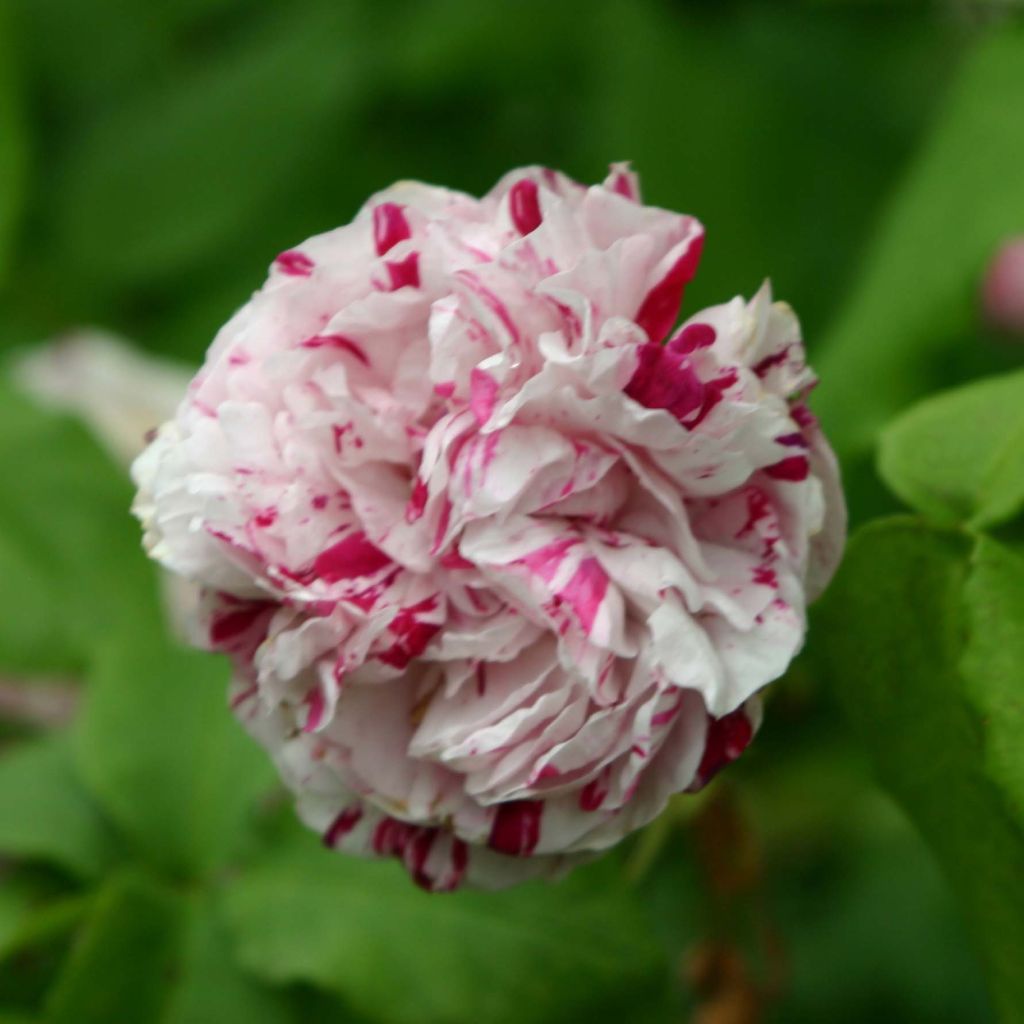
[{"x": 501, "y": 557}]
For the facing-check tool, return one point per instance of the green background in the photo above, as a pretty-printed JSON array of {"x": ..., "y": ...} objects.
[{"x": 868, "y": 157}]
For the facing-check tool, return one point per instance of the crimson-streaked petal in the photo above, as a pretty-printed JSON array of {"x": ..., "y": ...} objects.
[{"x": 502, "y": 558}]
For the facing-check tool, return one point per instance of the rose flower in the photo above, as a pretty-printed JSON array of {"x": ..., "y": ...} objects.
[{"x": 501, "y": 557}]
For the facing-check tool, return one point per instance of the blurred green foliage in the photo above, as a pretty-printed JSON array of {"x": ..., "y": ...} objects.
[{"x": 154, "y": 158}]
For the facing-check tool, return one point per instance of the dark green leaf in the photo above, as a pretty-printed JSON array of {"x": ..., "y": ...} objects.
[
  {"x": 46, "y": 814},
  {"x": 957, "y": 456},
  {"x": 535, "y": 953},
  {"x": 12, "y": 139}
]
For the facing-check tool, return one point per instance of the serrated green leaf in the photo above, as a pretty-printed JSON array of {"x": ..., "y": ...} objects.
[
  {"x": 537, "y": 953},
  {"x": 120, "y": 967},
  {"x": 46, "y": 813},
  {"x": 918, "y": 289},
  {"x": 163, "y": 754},
  {"x": 891, "y": 637},
  {"x": 957, "y": 456}
]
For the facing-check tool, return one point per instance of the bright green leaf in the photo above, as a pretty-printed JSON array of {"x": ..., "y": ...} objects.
[
  {"x": 120, "y": 967},
  {"x": 891, "y": 636},
  {"x": 917, "y": 291},
  {"x": 957, "y": 456},
  {"x": 164, "y": 755},
  {"x": 46, "y": 814},
  {"x": 535, "y": 953}
]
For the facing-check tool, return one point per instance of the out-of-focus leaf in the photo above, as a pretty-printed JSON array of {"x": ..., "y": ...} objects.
[
  {"x": 211, "y": 986},
  {"x": 898, "y": 637},
  {"x": 15, "y": 905},
  {"x": 46, "y": 814},
  {"x": 12, "y": 139},
  {"x": 164, "y": 755},
  {"x": 47, "y": 920},
  {"x": 782, "y": 128},
  {"x": 120, "y": 966},
  {"x": 917, "y": 290},
  {"x": 72, "y": 549},
  {"x": 188, "y": 165},
  {"x": 959, "y": 456},
  {"x": 537, "y": 953}
]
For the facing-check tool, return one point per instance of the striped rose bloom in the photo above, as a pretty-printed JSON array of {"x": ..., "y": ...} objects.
[{"x": 501, "y": 555}]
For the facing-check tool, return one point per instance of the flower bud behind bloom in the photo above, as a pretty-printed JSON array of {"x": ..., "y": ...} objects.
[
  {"x": 1002, "y": 290},
  {"x": 501, "y": 558}
]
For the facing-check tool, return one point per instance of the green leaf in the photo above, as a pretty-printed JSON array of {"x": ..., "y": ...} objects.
[
  {"x": 46, "y": 814},
  {"x": 959, "y": 456},
  {"x": 778, "y": 199},
  {"x": 12, "y": 140},
  {"x": 120, "y": 966},
  {"x": 917, "y": 291},
  {"x": 148, "y": 954},
  {"x": 993, "y": 663},
  {"x": 217, "y": 144},
  {"x": 163, "y": 754},
  {"x": 15, "y": 905},
  {"x": 74, "y": 562},
  {"x": 535, "y": 953},
  {"x": 212, "y": 986},
  {"x": 906, "y": 641}
]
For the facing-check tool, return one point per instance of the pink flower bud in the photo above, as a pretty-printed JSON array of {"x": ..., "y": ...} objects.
[
  {"x": 501, "y": 560},
  {"x": 1003, "y": 287}
]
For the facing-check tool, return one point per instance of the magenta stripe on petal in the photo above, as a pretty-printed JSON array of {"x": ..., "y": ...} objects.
[
  {"x": 622, "y": 184},
  {"x": 691, "y": 338},
  {"x": 516, "y": 827},
  {"x": 794, "y": 469},
  {"x": 524, "y": 206},
  {"x": 315, "y": 703},
  {"x": 585, "y": 592},
  {"x": 660, "y": 308},
  {"x": 389, "y": 226},
  {"x": 727, "y": 738},
  {"x": 295, "y": 263},
  {"x": 350, "y": 558},
  {"x": 795, "y": 440},
  {"x": 483, "y": 393},
  {"x": 338, "y": 341},
  {"x": 343, "y": 824},
  {"x": 404, "y": 273}
]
